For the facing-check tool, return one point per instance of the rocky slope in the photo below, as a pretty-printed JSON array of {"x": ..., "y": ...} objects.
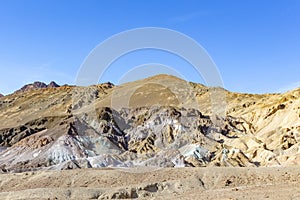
[{"x": 161, "y": 121}]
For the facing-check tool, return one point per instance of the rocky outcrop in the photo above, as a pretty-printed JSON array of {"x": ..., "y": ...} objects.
[{"x": 156, "y": 136}]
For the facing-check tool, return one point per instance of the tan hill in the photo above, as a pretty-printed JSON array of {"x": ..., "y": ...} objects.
[{"x": 161, "y": 121}]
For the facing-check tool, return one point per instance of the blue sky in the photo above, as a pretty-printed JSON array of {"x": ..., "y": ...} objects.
[{"x": 255, "y": 44}]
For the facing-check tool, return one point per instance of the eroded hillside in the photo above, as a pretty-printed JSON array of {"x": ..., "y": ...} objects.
[{"x": 161, "y": 121}]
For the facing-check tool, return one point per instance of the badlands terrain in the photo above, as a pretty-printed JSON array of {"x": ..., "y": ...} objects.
[{"x": 138, "y": 137}]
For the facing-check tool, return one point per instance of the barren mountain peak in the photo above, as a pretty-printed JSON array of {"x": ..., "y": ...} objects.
[
  {"x": 52, "y": 84},
  {"x": 37, "y": 85},
  {"x": 164, "y": 76}
]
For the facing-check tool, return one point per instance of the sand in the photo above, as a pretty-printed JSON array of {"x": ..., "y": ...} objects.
[{"x": 168, "y": 183}]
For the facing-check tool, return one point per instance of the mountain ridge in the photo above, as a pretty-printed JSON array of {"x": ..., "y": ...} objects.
[
  {"x": 37, "y": 85},
  {"x": 41, "y": 85}
]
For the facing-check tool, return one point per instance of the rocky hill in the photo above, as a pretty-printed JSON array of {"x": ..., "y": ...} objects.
[
  {"x": 37, "y": 85},
  {"x": 161, "y": 121}
]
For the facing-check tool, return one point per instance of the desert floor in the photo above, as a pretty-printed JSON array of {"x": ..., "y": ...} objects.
[{"x": 145, "y": 183}]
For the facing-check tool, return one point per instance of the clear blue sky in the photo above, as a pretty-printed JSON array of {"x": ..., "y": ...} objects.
[{"x": 255, "y": 43}]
